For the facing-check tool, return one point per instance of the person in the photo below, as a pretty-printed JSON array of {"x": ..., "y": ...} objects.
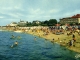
[
  {"x": 35, "y": 38},
  {"x": 12, "y": 37},
  {"x": 74, "y": 39},
  {"x": 71, "y": 43},
  {"x": 58, "y": 38},
  {"x": 16, "y": 43},
  {"x": 18, "y": 37},
  {"x": 73, "y": 36},
  {"x": 53, "y": 39}
]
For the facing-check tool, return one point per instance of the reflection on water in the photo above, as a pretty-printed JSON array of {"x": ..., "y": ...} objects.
[{"x": 30, "y": 48}]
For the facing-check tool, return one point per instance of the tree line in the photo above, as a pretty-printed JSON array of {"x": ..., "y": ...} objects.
[{"x": 50, "y": 22}]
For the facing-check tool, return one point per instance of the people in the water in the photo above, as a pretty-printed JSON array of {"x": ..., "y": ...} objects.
[
  {"x": 12, "y": 37},
  {"x": 15, "y": 44},
  {"x": 15, "y": 37},
  {"x": 18, "y": 37},
  {"x": 35, "y": 38}
]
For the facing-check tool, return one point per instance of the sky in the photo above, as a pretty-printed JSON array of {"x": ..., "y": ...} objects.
[{"x": 31, "y": 10}]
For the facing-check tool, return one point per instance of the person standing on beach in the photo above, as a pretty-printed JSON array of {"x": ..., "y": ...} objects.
[
  {"x": 71, "y": 43},
  {"x": 74, "y": 38}
]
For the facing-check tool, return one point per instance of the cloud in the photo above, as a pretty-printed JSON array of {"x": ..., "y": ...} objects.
[
  {"x": 29, "y": 10},
  {"x": 35, "y": 11},
  {"x": 14, "y": 15},
  {"x": 1, "y": 17},
  {"x": 69, "y": 14},
  {"x": 54, "y": 11}
]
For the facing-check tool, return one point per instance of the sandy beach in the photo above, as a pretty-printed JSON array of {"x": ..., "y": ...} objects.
[{"x": 61, "y": 39}]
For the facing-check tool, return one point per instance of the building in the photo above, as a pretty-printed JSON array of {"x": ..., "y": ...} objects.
[
  {"x": 37, "y": 22},
  {"x": 73, "y": 19},
  {"x": 22, "y": 23},
  {"x": 12, "y": 24}
]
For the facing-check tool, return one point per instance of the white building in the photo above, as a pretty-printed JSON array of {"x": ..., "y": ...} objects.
[
  {"x": 22, "y": 23},
  {"x": 12, "y": 24}
]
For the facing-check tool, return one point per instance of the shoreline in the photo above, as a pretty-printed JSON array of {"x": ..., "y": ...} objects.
[
  {"x": 64, "y": 43},
  {"x": 62, "y": 39}
]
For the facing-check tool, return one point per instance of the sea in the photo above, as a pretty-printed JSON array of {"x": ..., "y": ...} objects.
[{"x": 31, "y": 47}]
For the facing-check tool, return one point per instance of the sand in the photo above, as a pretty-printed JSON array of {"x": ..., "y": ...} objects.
[{"x": 61, "y": 39}]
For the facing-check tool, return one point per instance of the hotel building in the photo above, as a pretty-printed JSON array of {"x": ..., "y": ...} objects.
[{"x": 73, "y": 19}]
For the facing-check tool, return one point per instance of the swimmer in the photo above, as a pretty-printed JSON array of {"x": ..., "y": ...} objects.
[
  {"x": 35, "y": 38},
  {"x": 16, "y": 43},
  {"x": 18, "y": 37},
  {"x": 12, "y": 37}
]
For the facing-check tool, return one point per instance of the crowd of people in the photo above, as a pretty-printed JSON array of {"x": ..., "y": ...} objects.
[{"x": 55, "y": 30}]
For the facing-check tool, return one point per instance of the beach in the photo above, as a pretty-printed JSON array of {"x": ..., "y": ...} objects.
[
  {"x": 62, "y": 39},
  {"x": 31, "y": 47}
]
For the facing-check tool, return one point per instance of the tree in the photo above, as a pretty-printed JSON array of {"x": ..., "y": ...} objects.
[
  {"x": 52, "y": 22},
  {"x": 46, "y": 22},
  {"x": 36, "y": 23},
  {"x": 29, "y": 24}
]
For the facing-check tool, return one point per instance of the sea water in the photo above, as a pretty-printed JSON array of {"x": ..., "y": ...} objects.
[{"x": 29, "y": 48}]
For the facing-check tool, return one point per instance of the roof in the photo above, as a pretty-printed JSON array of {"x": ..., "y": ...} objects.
[{"x": 76, "y": 16}]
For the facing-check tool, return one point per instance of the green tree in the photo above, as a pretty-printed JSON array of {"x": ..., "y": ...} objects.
[
  {"x": 52, "y": 22},
  {"x": 46, "y": 22},
  {"x": 29, "y": 24},
  {"x": 43, "y": 23}
]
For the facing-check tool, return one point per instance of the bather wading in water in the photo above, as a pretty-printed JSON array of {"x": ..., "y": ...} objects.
[
  {"x": 15, "y": 44},
  {"x": 12, "y": 37}
]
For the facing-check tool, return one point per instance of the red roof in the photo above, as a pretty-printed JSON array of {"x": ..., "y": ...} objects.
[{"x": 76, "y": 16}]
